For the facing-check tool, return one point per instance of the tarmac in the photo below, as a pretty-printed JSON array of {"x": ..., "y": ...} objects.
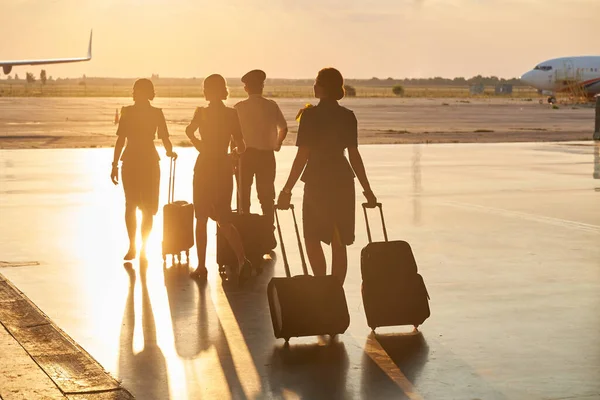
[
  {"x": 89, "y": 122},
  {"x": 505, "y": 235}
]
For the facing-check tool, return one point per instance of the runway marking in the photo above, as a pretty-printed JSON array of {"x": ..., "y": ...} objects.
[
  {"x": 563, "y": 223},
  {"x": 380, "y": 357}
]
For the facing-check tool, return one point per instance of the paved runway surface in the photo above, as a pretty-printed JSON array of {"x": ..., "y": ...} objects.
[
  {"x": 506, "y": 237},
  {"x": 86, "y": 122}
]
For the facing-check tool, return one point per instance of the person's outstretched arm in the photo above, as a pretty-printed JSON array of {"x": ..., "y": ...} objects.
[
  {"x": 192, "y": 127},
  {"x": 359, "y": 169},
  {"x": 239, "y": 144},
  {"x": 114, "y": 174},
  {"x": 285, "y": 196},
  {"x": 282, "y": 128},
  {"x": 356, "y": 161},
  {"x": 297, "y": 168},
  {"x": 163, "y": 134},
  {"x": 169, "y": 147},
  {"x": 122, "y": 131}
]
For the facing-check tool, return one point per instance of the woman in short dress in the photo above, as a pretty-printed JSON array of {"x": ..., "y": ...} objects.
[
  {"x": 328, "y": 209},
  {"x": 218, "y": 126},
  {"x": 138, "y": 126}
]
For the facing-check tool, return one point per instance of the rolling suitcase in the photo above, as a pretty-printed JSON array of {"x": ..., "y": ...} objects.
[
  {"x": 178, "y": 224},
  {"x": 393, "y": 292},
  {"x": 305, "y": 305},
  {"x": 256, "y": 233}
]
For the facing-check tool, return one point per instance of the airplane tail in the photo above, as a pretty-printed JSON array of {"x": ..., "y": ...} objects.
[{"x": 89, "y": 54}]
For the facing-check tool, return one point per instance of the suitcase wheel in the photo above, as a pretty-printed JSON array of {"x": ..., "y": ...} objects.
[
  {"x": 287, "y": 340},
  {"x": 416, "y": 328}
]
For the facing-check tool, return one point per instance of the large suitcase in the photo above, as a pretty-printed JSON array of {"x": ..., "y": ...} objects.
[
  {"x": 305, "y": 305},
  {"x": 256, "y": 232},
  {"x": 393, "y": 291},
  {"x": 178, "y": 224}
]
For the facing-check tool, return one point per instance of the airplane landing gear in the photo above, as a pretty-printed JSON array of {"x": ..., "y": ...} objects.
[{"x": 551, "y": 100}]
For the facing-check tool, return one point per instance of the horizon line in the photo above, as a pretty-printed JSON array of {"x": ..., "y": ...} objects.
[{"x": 269, "y": 78}]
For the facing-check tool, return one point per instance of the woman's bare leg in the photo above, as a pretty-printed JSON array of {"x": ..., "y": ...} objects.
[
  {"x": 201, "y": 238},
  {"x": 131, "y": 224},
  {"x": 339, "y": 260},
  {"x": 147, "y": 222},
  {"x": 316, "y": 257}
]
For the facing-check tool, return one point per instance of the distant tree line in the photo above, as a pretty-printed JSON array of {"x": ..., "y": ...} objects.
[
  {"x": 436, "y": 81},
  {"x": 373, "y": 82},
  {"x": 30, "y": 77}
]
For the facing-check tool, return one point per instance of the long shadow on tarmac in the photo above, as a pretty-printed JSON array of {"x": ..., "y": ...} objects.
[
  {"x": 409, "y": 352},
  {"x": 321, "y": 369},
  {"x": 197, "y": 328},
  {"x": 145, "y": 372},
  {"x": 311, "y": 371}
]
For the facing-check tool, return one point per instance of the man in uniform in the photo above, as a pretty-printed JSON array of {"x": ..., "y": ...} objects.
[{"x": 264, "y": 128}]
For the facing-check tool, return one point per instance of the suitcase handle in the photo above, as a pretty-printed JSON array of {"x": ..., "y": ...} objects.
[
  {"x": 368, "y": 205},
  {"x": 171, "y": 194},
  {"x": 238, "y": 185},
  {"x": 283, "y": 253}
]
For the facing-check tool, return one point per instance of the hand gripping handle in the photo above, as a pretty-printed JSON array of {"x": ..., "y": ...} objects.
[
  {"x": 368, "y": 205},
  {"x": 171, "y": 194},
  {"x": 283, "y": 252}
]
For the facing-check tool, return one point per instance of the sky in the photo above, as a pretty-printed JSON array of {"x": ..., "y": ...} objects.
[{"x": 294, "y": 39}]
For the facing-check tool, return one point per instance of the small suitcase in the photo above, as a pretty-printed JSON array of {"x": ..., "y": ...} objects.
[
  {"x": 178, "y": 224},
  {"x": 256, "y": 232},
  {"x": 305, "y": 305},
  {"x": 393, "y": 292}
]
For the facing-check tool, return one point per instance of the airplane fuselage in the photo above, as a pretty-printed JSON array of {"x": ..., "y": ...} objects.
[{"x": 561, "y": 74}]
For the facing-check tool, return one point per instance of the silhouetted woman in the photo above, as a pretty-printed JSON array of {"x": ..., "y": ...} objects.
[
  {"x": 213, "y": 173},
  {"x": 138, "y": 126},
  {"x": 325, "y": 131}
]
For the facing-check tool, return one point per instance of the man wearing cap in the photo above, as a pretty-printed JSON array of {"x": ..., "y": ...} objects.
[{"x": 264, "y": 128}]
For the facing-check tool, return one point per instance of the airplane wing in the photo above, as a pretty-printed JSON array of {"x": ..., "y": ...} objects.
[{"x": 7, "y": 65}]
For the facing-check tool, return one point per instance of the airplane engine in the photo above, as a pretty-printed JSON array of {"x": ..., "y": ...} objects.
[{"x": 7, "y": 69}]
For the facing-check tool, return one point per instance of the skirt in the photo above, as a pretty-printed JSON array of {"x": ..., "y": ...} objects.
[
  {"x": 327, "y": 209},
  {"x": 213, "y": 189},
  {"x": 141, "y": 182}
]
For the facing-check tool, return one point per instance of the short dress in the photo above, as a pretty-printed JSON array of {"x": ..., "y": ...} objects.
[
  {"x": 213, "y": 172},
  {"x": 328, "y": 207},
  {"x": 140, "y": 174}
]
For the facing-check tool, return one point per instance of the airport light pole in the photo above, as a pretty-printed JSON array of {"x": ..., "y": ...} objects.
[{"x": 597, "y": 129}]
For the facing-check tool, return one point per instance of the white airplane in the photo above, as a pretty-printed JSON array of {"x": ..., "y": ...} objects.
[
  {"x": 579, "y": 74},
  {"x": 7, "y": 66}
]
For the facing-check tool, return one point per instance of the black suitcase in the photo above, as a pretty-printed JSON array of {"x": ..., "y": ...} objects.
[
  {"x": 305, "y": 305},
  {"x": 178, "y": 224},
  {"x": 256, "y": 232},
  {"x": 393, "y": 292}
]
